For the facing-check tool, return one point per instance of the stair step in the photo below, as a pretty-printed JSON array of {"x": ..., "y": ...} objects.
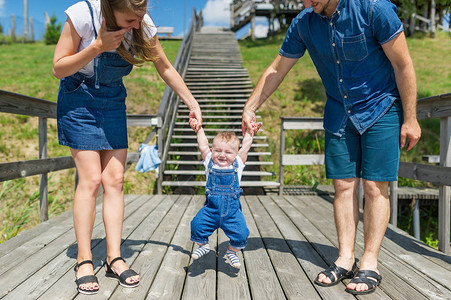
[
  {"x": 194, "y": 137},
  {"x": 214, "y": 129},
  {"x": 202, "y": 172},
  {"x": 210, "y": 123},
  {"x": 204, "y": 117},
  {"x": 195, "y": 145},
  {"x": 203, "y": 183},
  {"x": 198, "y": 153},
  {"x": 198, "y": 162}
]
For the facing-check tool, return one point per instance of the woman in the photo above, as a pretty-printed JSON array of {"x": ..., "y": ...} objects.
[{"x": 99, "y": 44}]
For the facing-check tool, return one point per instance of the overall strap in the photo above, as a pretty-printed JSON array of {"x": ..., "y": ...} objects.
[{"x": 92, "y": 17}]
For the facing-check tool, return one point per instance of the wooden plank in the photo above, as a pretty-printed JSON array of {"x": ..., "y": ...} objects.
[
  {"x": 60, "y": 269},
  {"x": 63, "y": 245},
  {"x": 186, "y": 162},
  {"x": 24, "y": 105},
  {"x": 434, "y": 107},
  {"x": 436, "y": 174},
  {"x": 232, "y": 283},
  {"x": 19, "y": 169},
  {"x": 169, "y": 280},
  {"x": 201, "y": 280},
  {"x": 293, "y": 280},
  {"x": 392, "y": 285},
  {"x": 64, "y": 277},
  {"x": 302, "y": 159},
  {"x": 263, "y": 281},
  {"x": 302, "y": 123},
  {"x": 302, "y": 249}
]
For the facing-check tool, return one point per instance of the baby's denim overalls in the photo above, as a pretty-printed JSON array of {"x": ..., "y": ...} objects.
[
  {"x": 91, "y": 110},
  {"x": 222, "y": 209}
]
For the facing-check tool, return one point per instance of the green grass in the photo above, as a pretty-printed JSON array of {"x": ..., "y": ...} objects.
[{"x": 27, "y": 69}]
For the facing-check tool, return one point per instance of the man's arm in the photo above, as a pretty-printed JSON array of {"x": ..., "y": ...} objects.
[
  {"x": 398, "y": 54},
  {"x": 202, "y": 142},
  {"x": 267, "y": 84}
]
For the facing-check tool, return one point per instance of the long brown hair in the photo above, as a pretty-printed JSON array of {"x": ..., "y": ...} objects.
[{"x": 141, "y": 46}]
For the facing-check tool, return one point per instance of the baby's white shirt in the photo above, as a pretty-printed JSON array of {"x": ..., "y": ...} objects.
[
  {"x": 241, "y": 166},
  {"x": 80, "y": 17}
]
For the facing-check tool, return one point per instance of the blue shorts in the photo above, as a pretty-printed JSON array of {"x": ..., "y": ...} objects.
[{"x": 374, "y": 155}]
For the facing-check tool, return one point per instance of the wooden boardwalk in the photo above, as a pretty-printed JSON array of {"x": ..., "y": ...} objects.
[{"x": 292, "y": 238}]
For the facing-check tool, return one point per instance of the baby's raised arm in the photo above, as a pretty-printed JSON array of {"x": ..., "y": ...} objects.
[
  {"x": 202, "y": 142},
  {"x": 247, "y": 141}
]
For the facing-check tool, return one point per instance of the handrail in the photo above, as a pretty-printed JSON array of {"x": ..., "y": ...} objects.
[
  {"x": 169, "y": 104},
  {"x": 432, "y": 107}
]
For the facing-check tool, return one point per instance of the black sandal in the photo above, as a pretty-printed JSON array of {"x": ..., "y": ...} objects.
[
  {"x": 364, "y": 276},
  {"x": 340, "y": 274},
  {"x": 85, "y": 279},
  {"x": 124, "y": 275}
]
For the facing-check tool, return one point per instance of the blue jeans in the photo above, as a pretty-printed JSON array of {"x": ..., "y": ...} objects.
[{"x": 374, "y": 155}]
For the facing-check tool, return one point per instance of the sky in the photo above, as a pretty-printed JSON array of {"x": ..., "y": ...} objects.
[{"x": 165, "y": 13}]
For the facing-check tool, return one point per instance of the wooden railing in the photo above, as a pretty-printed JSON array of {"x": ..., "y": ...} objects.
[
  {"x": 24, "y": 105},
  {"x": 440, "y": 175},
  {"x": 170, "y": 102}
]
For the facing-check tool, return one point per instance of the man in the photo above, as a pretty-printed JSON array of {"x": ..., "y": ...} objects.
[{"x": 360, "y": 52}]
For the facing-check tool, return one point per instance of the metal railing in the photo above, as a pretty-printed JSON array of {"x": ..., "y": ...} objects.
[{"x": 432, "y": 107}]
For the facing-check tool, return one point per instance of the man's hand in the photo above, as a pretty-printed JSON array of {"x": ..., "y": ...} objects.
[
  {"x": 249, "y": 122},
  {"x": 410, "y": 131}
]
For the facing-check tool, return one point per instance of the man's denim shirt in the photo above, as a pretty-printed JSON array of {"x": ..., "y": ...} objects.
[{"x": 346, "y": 50}]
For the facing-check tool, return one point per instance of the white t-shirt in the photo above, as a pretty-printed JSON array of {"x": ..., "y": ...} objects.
[
  {"x": 80, "y": 17},
  {"x": 241, "y": 166}
]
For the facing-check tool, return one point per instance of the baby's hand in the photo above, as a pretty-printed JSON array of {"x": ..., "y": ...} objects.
[
  {"x": 193, "y": 123},
  {"x": 255, "y": 127}
]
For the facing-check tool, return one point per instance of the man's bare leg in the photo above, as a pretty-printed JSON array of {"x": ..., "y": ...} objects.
[
  {"x": 346, "y": 215},
  {"x": 375, "y": 220}
]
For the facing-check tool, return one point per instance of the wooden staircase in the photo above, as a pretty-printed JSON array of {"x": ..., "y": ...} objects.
[{"x": 218, "y": 80}]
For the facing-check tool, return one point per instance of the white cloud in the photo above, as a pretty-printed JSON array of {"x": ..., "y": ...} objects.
[
  {"x": 2, "y": 7},
  {"x": 216, "y": 13}
]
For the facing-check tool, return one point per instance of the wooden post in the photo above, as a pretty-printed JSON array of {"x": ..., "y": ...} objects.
[
  {"x": 13, "y": 27},
  {"x": 31, "y": 30},
  {"x": 253, "y": 26},
  {"x": 43, "y": 181},
  {"x": 432, "y": 19},
  {"x": 360, "y": 194},
  {"x": 281, "y": 150},
  {"x": 25, "y": 18},
  {"x": 394, "y": 203},
  {"x": 444, "y": 191}
]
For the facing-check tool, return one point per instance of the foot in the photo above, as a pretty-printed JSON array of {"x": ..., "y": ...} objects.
[
  {"x": 85, "y": 269},
  {"x": 200, "y": 251},
  {"x": 119, "y": 266},
  {"x": 364, "y": 282},
  {"x": 234, "y": 260},
  {"x": 344, "y": 268}
]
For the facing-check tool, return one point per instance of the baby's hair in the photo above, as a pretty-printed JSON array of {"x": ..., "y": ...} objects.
[{"x": 228, "y": 137}]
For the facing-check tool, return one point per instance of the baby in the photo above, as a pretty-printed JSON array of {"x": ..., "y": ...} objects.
[{"x": 224, "y": 164}]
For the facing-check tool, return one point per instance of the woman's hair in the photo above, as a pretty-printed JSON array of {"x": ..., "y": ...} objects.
[{"x": 142, "y": 47}]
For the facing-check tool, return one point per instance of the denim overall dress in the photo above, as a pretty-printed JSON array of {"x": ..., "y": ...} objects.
[
  {"x": 222, "y": 209},
  {"x": 91, "y": 111}
]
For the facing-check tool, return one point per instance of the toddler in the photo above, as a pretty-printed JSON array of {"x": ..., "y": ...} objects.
[{"x": 224, "y": 164}]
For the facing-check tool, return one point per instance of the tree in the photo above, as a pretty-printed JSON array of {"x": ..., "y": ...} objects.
[
  {"x": 52, "y": 31},
  {"x": 1, "y": 29}
]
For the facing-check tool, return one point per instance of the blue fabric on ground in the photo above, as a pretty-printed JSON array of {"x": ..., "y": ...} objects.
[{"x": 148, "y": 158}]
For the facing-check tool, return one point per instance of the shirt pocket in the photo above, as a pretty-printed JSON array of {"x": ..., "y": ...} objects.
[{"x": 354, "y": 47}]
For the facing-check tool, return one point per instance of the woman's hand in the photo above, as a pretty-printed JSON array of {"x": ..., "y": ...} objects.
[
  {"x": 109, "y": 40},
  {"x": 195, "y": 119}
]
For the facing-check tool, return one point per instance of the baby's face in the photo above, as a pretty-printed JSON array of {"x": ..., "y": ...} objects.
[{"x": 222, "y": 153}]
